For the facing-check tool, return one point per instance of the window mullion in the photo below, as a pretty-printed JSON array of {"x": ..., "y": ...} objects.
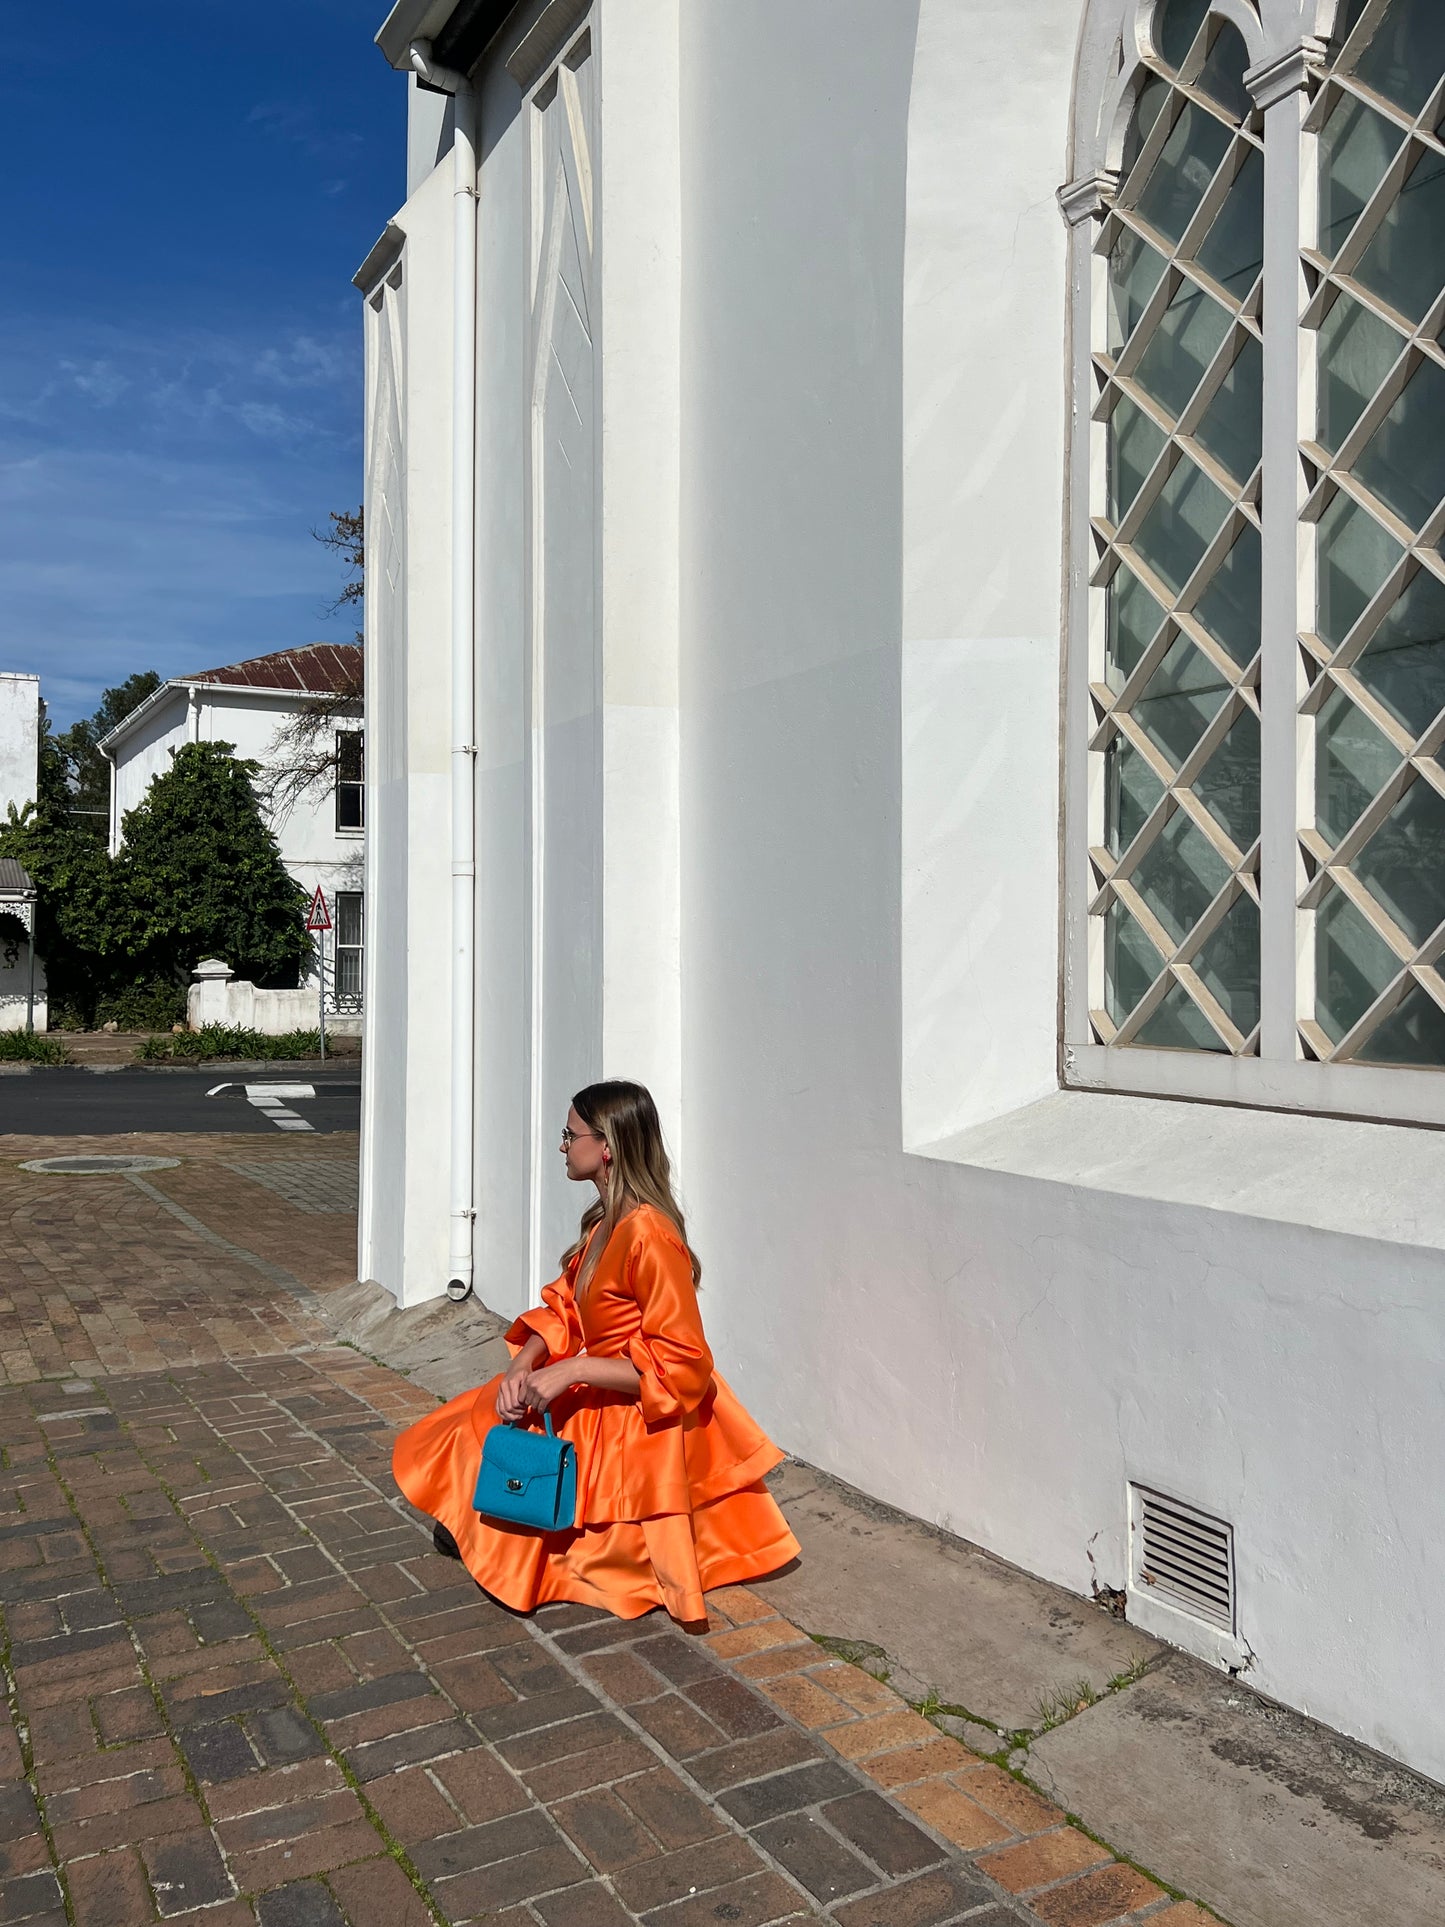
[{"x": 1285, "y": 740}]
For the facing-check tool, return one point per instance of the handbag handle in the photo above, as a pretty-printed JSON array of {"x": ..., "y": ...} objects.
[{"x": 546, "y": 1420}]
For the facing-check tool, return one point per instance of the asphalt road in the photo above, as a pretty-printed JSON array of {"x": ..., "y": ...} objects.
[{"x": 46, "y": 1102}]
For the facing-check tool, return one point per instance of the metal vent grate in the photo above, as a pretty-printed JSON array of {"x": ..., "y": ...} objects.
[{"x": 1185, "y": 1556}]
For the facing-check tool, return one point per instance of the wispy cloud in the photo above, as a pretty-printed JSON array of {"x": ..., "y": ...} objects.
[{"x": 158, "y": 491}]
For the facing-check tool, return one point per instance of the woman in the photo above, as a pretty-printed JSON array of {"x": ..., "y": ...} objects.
[{"x": 670, "y": 1498}]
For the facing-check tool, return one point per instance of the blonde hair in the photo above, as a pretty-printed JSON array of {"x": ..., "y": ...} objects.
[{"x": 624, "y": 1116}]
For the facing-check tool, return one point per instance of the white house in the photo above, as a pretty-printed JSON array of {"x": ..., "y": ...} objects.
[
  {"x": 22, "y": 975},
  {"x": 321, "y": 834},
  {"x": 904, "y": 610}
]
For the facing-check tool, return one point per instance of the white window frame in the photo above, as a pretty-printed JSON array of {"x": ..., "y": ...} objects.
[
  {"x": 1283, "y": 73},
  {"x": 356, "y": 784}
]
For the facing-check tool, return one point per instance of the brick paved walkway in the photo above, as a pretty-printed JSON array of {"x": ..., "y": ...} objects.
[{"x": 243, "y": 1688}]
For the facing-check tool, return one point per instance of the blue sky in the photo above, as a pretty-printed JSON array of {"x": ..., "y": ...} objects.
[{"x": 187, "y": 197}]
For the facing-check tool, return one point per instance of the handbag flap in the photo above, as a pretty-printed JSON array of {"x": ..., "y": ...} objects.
[{"x": 517, "y": 1454}]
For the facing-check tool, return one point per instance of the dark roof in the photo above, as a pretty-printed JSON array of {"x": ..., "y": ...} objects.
[
  {"x": 320, "y": 668},
  {"x": 14, "y": 880}
]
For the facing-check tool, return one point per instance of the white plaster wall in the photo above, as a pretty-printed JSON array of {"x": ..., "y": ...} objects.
[
  {"x": 870, "y": 393},
  {"x": 19, "y": 739},
  {"x": 873, "y": 362},
  {"x": 143, "y": 753},
  {"x": 407, "y": 1069},
  {"x": 15, "y": 982}
]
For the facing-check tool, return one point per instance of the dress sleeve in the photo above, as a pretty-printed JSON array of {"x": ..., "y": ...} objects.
[
  {"x": 670, "y": 1352},
  {"x": 555, "y": 1321}
]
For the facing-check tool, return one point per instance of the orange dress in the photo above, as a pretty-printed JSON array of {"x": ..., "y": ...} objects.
[{"x": 670, "y": 1498}]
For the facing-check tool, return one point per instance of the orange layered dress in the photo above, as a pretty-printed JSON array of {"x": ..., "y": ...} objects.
[{"x": 670, "y": 1498}]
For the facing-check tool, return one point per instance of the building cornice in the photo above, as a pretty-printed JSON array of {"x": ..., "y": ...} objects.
[
  {"x": 1286, "y": 73},
  {"x": 384, "y": 255},
  {"x": 459, "y": 30},
  {"x": 1090, "y": 195}
]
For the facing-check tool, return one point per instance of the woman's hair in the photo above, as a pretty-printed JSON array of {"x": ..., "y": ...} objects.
[{"x": 625, "y": 1118}]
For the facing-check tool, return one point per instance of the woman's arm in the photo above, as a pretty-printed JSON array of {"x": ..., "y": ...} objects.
[
  {"x": 607, "y": 1374},
  {"x": 512, "y": 1398}
]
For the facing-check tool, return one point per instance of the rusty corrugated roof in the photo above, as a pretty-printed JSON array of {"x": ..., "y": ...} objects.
[{"x": 319, "y": 668}]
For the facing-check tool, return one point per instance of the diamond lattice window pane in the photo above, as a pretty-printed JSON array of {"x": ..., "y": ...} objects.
[
  {"x": 1131, "y": 790},
  {"x": 1404, "y": 662},
  {"x": 1132, "y": 619},
  {"x": 1229, "y": 606},
  {"x": 1181, "y": 522},
  {"x": 1228, "y": 962},
  {"x": 1179, "y": 1024},
  {"x": 1153, "y": 92},
  {"x": 1134, "y": 445},
  {"x": 1180, "y": 875},
  {"x": 1182, "y": 347},
  {"x": 1353, "y": 762},
  {"x": 1134, "y": 271},
  {"x": 1233, "y": 249},
  {"x": 1180, "y": 700},
  {"x": 1186, "y": 165},
  {"x": 1353, "y": 965},
  {"x": 1176, "y": 22},
  {"x": 1403, "y": 864},
  {"x": 1404, "y": 263},
  {"x": 1413, "y": 1033},
  {"x": 1405, "y": 55},
  {"x": 1228, "y": 785},
  {"x": 1404, "y": 460},
  {"x": 1355, "y": 556},
  {"x": 1231, "y": 427},
  {"x": 1222, "y": 76},
  {"x": 1131, "y": 963},
  {"x": 1356, "y": 146},
  {"x": 1356, "y": 350}
]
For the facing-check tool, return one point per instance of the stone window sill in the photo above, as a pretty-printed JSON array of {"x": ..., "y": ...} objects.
[{"x": 1365, "y": 1180}]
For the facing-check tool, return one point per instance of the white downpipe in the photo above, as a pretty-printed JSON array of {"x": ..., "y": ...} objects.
[{"x": 463, "y": 757}]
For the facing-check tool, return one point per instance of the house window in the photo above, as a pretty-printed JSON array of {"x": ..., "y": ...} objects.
[
  {"x": 1265, "y": 886},
  {"x": 350, "y": 787},
  {"x": 349, "y": 946}
]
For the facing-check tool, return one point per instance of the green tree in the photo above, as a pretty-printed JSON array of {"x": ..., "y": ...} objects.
[
  {"x": 199, "y": 875},
  {"x": 87, "y": 771},
  {"x": 75, "y": 905}
]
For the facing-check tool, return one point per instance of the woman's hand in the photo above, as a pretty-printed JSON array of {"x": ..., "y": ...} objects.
[
  {"x": 512, "y": 1399},
  {"x": 551, "y": 1381}
]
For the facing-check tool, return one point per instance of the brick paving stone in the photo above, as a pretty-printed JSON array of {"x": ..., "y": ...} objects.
[
  {"x": 376, "y": 1893},
  {"x": 954, "y": 1815},
  {"x": 890, "y": 1841},
  {"x": 303, "y": 1904},
  {"x": 816, "y": 1858},
  {"x": 1036, "y": 1863},
  {"x": 925, "y": 1901},
  {"x": 759, "y": 1800},
  {"x": 746, "y": 1903},
  {"x": 606, "y": 1830},
  {"x": 1107, "y": 1894},
  {"x": 244, "y": 1545}
]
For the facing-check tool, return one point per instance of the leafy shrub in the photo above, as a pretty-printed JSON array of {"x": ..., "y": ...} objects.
[
  {"x": 145, "y": 1006},
  {"x": 31, "y": 1047},
  {"x": 219, "y": 1040}
]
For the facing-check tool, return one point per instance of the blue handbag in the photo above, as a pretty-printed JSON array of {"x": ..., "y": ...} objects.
[{"x": 528, "y": 1479}]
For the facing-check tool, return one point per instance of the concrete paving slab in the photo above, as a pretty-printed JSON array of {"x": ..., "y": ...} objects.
[
  {"x": 444, "y": 1347},
  {"x": 952, "y": 1620},
  {"x": 1267, "y": 1817}
]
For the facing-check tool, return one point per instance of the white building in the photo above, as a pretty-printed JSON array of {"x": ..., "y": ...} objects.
[
  {"x": 904, "y": 611},
  {"x": 22, "y": 977},
  {"x": 321, "y": 835}
]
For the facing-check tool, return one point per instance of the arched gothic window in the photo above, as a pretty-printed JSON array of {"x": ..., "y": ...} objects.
[{"x": 1257, "y": 693}]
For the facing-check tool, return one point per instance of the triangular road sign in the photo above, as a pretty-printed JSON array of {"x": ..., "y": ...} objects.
[{"x": 318, "y": 917}]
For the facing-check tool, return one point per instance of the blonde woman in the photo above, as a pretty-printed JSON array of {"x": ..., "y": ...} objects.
[{"x": 670, "y": 1498}]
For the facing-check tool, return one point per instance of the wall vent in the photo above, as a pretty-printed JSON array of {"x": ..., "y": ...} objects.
[{"x": 1184, "y": 1556}]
